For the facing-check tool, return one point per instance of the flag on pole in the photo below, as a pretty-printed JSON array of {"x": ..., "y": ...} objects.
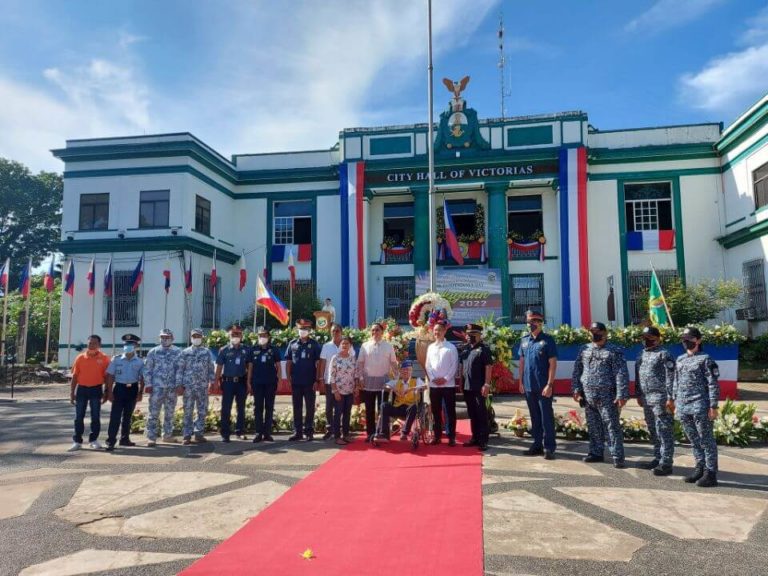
[
  {"x": 108, "y": 279},
  {"x": 451, "y": 240},
  {"x": 266, "y": 270},
  {"x": 138, "y": 275},
  {"x": 292, "y": 269},
  {"x": 69, "y": 280},
  {"x": 24, "y": 280},
  {"x": 188, "y": 277},
  {"x": 92, "y": 278},
  {"x": 265, "y": 297},
  {"x": 4, "y": 271},
  {"x": 48, "y": 280},
  {"x": 243, "y": 272},
  {"x": 214, "y": 277},
  {"x": 657, "y": 306},
  {"x": 167, "y": 274}
]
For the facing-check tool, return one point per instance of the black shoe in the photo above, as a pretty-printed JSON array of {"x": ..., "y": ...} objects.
[
  {"x": 258, "y": 438},
  {"x": 593, "y": 458},
  {"x": 620, "y": 464},
  {"x": 109, "y": 447},
  {"x": 533, "y": 451},
  {"x": 369, "y": 438},
  {"x": 225, "y": 440},
  {"x": 698, "y": 472},
  {"x": 434, "y": 442},
  {"x": 127, "y": 443},
  {"x": 268, "y": 438},
  {"x": 328, "y": 435},
  {"x": 295, "y": 437},
  {"x": 309, "y": 437},
  {"x": 549, "y": 455},
  {"x": 708, "y": 480},
  {"x": 482, "y": 447},
  {"x": 241, "y": 436},
  {"x": 649, "y": 465},
  {"x": 471, "y": 442},
  {"x": 662, "y": 470},
  {"x": 452, "y": 442}
]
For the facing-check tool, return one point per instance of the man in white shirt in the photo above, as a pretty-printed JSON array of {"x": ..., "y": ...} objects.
[
  {"x": 330, "y": 349},
  {"x": 375, "y": 361},
  {"x": 441, "y": 365},
  {"x": 328, "y": 307}
]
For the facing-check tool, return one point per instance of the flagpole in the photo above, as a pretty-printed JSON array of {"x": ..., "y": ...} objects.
[
  {"x": 112, "y": 297},
  {"x": 93, "y": 296},
  {"x": 69, "y": 329},
  {"x": 26, "y": 313},
  {"x": 666, "y": 307},
  {"x": 265, "y": 283},
  {"x": 5, "y": 311},
  {"x": 48, "y": 329},
  {"x": 431, "y": 157},
  {"x": 141, "y": 304},
  {"x": 255, "y": 306}
]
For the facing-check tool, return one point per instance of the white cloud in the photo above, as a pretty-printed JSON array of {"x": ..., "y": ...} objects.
[
  {"x": 666, "y": 14},
  {"x": 757, "y": 31}
]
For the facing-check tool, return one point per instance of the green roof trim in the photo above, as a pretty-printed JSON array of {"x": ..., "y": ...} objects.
[
  {"x": 598, "y": 156},
  {"x": 743, "y": 129},
  {"x": 147, "y": 244},
  {"x": 744, "y": 235}
]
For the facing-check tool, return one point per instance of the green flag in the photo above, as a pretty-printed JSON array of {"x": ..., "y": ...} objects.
[{"x": 657, "y": 309}]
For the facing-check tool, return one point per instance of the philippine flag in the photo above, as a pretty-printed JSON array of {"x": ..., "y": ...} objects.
[
  {"x": 167, "y": 275},
  {"x": 92, "y": 278},
  {"x": 451, "y": 241},
  {"x": 108, "y": 279},
  {"x": 214, "y": 277},
  {"x": 188, "y": 277},
  {"x": 4, "y": 275},
  {"x": 292, "y": 270},
  {"x": 138, "y": 274},
  {"x": 48, "y": 280},
  {"x": 265, "y": 297},
  {"x": 243, "y": 272},
  {"x": 26, "y": 273},
  {"x": 69, "y": 280}
]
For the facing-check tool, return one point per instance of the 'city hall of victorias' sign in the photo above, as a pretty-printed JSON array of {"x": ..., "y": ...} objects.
[{"x": 412, "y": 176}]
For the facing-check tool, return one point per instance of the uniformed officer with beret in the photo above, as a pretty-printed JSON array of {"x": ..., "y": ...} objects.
[
  {"x": 302, "y": 358},
  {"x": 233, "y": 374},
  {"x": 696, "y": 394},
  {"x": 264, "y": 378},
  {"x": 654, "y": 379},
  {"x": 476, "y": 362},
  {"x": 125, "y": 386}
]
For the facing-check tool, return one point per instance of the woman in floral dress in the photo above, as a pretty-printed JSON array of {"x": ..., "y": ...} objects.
[{"x": 343, "y": 370}]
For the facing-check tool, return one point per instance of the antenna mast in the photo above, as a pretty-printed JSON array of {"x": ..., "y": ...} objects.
[{"x": 502, "y": 66}]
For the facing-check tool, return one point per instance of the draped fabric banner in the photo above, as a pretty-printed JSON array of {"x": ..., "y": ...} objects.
[{"x": 351, "y": 193}]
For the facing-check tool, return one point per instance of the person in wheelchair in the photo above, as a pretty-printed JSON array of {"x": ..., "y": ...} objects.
[{"x": 404, "y": 403}]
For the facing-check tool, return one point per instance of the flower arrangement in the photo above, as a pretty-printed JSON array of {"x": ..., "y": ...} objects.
[
  {"x": 634, "y": 429},
  {"x": 399, "y": 340},
  {"x": 760, "y": 428},
  {"x": 427, "y": 309},
  {"x": 478, "y": 235},
  {"x": 571, "y": 425},
  {"x": 734, "y": 425},
  {"x": 518, "y": 424},
  {"x": 501, "y": 378}
]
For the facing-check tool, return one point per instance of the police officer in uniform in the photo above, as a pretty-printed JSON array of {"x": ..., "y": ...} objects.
[
  {"x": 601, "y": 383},
  {"x": 125, "y": 386},
  {"x": 302, "y": 358},
  {"x": 476, "y": 362},
  {"x": 233, "y": 374},
  {"x": 538, "y": 364},
  {"x": 264, "y": 377},
  {"x": 696, "y": 394},
  {"x": 654, "y": 379},
  {"x": 195, "y": 375},
  {"x": 160, "y": 384}
]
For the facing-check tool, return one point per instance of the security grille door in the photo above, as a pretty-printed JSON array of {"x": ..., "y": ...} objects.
[
  {"x": 398, "y": 295},
  {"x": 126, "y": 302},
  {"x": 639, "y": 287},
  {"x": 526, "y": 292},
  {"x": 753, "y": 273}
]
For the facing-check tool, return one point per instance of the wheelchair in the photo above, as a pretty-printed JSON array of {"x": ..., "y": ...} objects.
[{"x": 422, "y": 429}]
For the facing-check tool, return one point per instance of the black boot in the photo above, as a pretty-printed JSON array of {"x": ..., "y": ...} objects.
[
  {"x": 592, "y": 458},
  {"x": 698, "y": 472},
  {"x": 648, "y": 465},
  {"x": 662, "y": 470},
  {"x": 709, "y": 479}
]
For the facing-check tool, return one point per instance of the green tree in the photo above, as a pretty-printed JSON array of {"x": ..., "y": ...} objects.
[
  {"x": 697, "y": 303},
  {"x": 30, "y": 215},
  {"x": 38, "y": 313}
]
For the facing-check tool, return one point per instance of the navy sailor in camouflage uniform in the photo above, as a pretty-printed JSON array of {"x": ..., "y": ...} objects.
[
  {"x": 195, "y": 374},
  {"x": 696, "y": 393},
  {"x": 654, "y": 380},
  {"x": 601, "y": 384},
  {"x": 160, "y": 384}
]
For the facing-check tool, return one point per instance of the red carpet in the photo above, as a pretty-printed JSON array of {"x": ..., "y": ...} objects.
[{"x": 368, "y": 511}]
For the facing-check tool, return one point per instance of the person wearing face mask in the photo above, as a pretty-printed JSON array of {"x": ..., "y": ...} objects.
[
  {"x": 264, "y": 377},
  {"x": 160, "y": 384},
  {"x": 476, "y": 361},
  {"x": 538, "y": 364},
  {"x": 195, "y": 375},
  {"x": 329, "y": 350},
  {"x": 89, "y": 371},
  {"x": 601, "y": 382},
  {"x": 654, "y": 379},
  {"x": 233, "y": 374},
  {"x": 302, "y": 359},
  {"x": 696, "y": 393},
  {"x": 125, "y": 387}
]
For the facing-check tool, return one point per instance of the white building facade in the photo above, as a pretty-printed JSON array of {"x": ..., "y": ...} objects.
[{"x": 550, "y": 212}]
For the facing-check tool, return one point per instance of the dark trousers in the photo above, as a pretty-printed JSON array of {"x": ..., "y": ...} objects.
[
  {"x": 264, "y": 407},
  {"x": 341, "y": 414},
  {"x": 436, "y": 398},
  {"x": 372, "y": 401},
  {"x": 123, "y": 403},
  {"x": 403, "y": 411},
  {"x": 237, "y": 391},
  {"x": 478, "y": 415},
  {"x": 542, "y": 420},
  {"x": 330, "y": 407},
  {"x": 303, "y": 396},
  {"x": 85, "y": 396}
]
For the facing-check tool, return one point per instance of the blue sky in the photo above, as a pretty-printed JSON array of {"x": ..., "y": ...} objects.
[{"x": 263, "y": 76}]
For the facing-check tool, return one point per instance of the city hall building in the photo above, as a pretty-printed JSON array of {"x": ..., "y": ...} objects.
[{"x": 549, "y": 211}]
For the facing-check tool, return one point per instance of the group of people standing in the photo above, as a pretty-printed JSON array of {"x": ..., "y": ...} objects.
[{"x": 687, "y": 386}]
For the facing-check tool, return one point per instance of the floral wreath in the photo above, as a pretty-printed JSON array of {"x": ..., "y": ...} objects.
[{"x": 428, "y": 309}]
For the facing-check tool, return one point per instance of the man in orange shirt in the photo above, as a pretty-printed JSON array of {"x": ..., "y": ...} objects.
[{"x": 87, "y": 388}]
